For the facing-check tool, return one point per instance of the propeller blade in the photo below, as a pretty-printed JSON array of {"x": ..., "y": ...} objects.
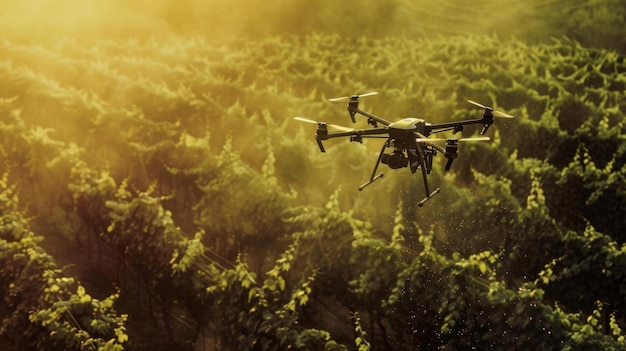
[
  {"x": 338, "y": 128},
  {"x": 339, "y": 99},
  {"x": 499, "y": 114},
  {"x": 331, "y": 127},
  {"x": 306, "y": 120},
  {"x": 479, "y": 105},
  {"x": 428, "y": 140},
  {"x": 421, "y": 138},
  {"x": 351, "y": 96},
  {"x": 371, "y": 93}
]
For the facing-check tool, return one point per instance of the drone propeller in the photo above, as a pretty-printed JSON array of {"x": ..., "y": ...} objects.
[
  {"x": 499, "y": 114},
  {"x": 421, "y": 138},
  {"x": 330, "y": 127},
  {"x": 304, "y": 119},
  {"x": 428, "y": 140},
  {"x": 353, "y": 96}
]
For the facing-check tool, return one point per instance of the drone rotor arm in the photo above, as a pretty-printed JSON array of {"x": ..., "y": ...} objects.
[
  {"x": 447, "y": 126},
  {"x": 366, "y": 133},
  {"x": 370, "y": 116},
  {"x": 353, "y": 134}
]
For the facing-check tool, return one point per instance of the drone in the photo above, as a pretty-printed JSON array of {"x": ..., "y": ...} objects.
[{"x": 408, "y": 139}]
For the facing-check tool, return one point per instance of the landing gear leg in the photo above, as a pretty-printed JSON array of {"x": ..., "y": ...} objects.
[
  {"x": 425, "y": 172},
  {"x": 421, "y": 203},
  {"x": 374, "y": 175}
]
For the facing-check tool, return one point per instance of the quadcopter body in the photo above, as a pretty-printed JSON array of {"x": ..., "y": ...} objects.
[{"x": 407, "y": 139}]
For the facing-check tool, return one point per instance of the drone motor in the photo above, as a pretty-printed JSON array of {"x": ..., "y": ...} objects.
[{"x": 452, "y": 149}]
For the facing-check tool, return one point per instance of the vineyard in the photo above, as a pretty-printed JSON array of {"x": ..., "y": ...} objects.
[{"x": 157, "y": 194}]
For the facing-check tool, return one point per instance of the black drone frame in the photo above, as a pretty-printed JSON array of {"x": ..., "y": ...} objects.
[{"x": 407, "y": 136}]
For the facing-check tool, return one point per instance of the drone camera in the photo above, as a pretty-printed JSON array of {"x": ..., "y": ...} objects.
[{"x": 395, "y": 160}]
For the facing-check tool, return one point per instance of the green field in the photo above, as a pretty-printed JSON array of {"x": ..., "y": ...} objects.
[{"x": 157, "y": 194}]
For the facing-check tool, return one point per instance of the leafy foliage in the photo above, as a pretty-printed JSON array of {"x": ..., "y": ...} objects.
[
  {"x": 41, "y": 308},
  {"x": 178, "y": 175}
]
